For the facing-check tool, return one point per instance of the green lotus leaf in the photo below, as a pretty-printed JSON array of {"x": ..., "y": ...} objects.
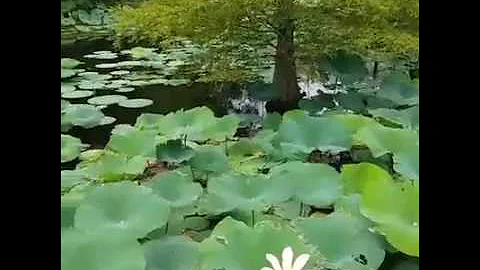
[
  {"x": 120, "y": 72},
  {"x": 272, "y": 121},
  {"x": 135, "y": 103},
  {"x": 106, "y": 99},
  {"x": 349, "y": 68},
  {"x": 210, "y": 159},
  {"x": 175, "y": 188},
  {"x": 402, "y": 143},
  {"x": 303, "y": 133},
  {"x": 70, "y": 148},
  {"x": 140, "y": 52},
  {"x": 223, "y": 127},
  {"x": 352, "y": 101},
  {"x": 64, "y": 104},
  {"x": 67, "y": 88},
  {"x": 230, "y": 238},
  {"x": 92, "y": 85},
  {"x": 125, "y": 89},
  {"x": 312, "y": 183},
  {"x": 111, "y": 167},
  {"x": 174, "y": 151},
  {"x": 240, "y": 191},
  {"x": 92, "y": 155},
  {"x": 158, "y": 254},
  {"x": 149, "y": 121},
  {"x": 94, "y": 251},
  {"x": 124, "y": 207},
  {"x": 245, "y": 156},
  {"x": 67, "y": 73},
  {"x": 83, "y": 115},
  {"x": 354, "y": 176},
  {"x": 399, "y": 88},
  {"x": 136, "y": 142},
  {"x": 354, "y": 247},
  {"x": 69, "y": 63},
  {"x": 70, "y": 202},
  {"x": 77, "y": 94},
  {"x": 107, "y": 120},
  {"x": 109, "y": 65},
  {"x": 70, "y": 178},
  {"x": 395, "y": 210},
  {"x": 408, "y": 118},
  {"x": 103, "y": 56},
  {"x": 122, "y": 129}
]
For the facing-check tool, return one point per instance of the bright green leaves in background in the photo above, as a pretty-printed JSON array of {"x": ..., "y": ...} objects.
[
  {"x": 344, "y": 240},
  {"x": 123, "y": 206},
  {"x": 174, "y": 151},
  {"x": 395, "y": 210},
  {"x": 402, "y": 143},
  {"x": 393, "y": 206},
  {"x": 235, "y": 246},
  {"x": 197, "y": 124}
]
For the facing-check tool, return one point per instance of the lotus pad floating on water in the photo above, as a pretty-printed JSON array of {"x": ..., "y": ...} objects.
[
  {"x": 67, "y": 88},
  {"x": 119, "y": 72},
  {"x": 135, "y": 103},
  {"x": 77, "y": 94},
  {"x": 125, "y": 89},
  {"x": 106, "y": 100},
  {"x": 107, "y": 120}
]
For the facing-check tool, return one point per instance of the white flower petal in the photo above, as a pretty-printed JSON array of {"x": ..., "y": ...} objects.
[
  {"x": 273, "y": 261},
  {"x": 266, "y": 268},
  {"x": 300, "y": 262},
  {"x": 287, "y": 258}
]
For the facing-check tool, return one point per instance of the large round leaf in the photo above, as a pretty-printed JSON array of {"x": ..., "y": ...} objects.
[
  {"x": 395, "y": 210},
  {"x": 408, "y": 118},
  {"x": 100, "y": 251},
  {"x": 126, "y": 207},
  {"x": 210, "y": 159},
  {"x": 71, "y": 178},
  {"x": 239, "y": 191},
  {"x": 83, "y": 115},
  {"x": 344, "y": 240},
  {"x": 222, "y": 128},
  {"x": 106, "y": 99},
  {"x": 70, "y": 148},
  {"x": 174, "y": 151},
  {"x": 245, "y": 156},
  {"x": 136, "y": 142},
  {"x": 235, "y": 246},
  {"x": 313, "y": 183},
  {"x": 402, "y": 143},
  {"x": 175, "y": 188},
  {"x": 399, "y": 88},
  {"x": 70, "y": 63},
  {"x": 113, "y": 167},
  {"x": 171, "y": 253},
  {"x": 354, "y": 176},
  {"x": 306, "y": 133},
  {"x": 135, "y": 103}
]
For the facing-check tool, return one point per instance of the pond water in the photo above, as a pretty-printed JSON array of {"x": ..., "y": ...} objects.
[{"x": 165, "y": 98}]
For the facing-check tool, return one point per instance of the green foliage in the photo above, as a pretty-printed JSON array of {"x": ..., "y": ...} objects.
[
  {"x": 158, "y": 254},
  {"x": 70, "y": 148},
  {"x": 126, "y": 207},
  {"x": 231, "y": 238},
  {"x": 174, "y": 151},
  {"x": 354, "y": 246},
  {"x": 175, "y": 188},
  {"x": 93, "y": 251}
]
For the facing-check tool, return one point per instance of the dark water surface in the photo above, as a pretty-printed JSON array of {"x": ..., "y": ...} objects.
[{"x": 166, "y": 98}]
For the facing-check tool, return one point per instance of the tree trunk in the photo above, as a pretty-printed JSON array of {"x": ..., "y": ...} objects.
[{"x": 285, "y": 72}]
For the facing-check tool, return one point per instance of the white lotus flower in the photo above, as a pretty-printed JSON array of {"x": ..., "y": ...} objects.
[{"x": 287, "y": 261}]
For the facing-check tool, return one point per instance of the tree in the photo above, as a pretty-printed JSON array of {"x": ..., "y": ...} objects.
[{"x": 289, "y": 32}]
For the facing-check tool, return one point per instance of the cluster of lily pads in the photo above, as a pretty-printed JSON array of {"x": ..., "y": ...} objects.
[
  {"x": 82, "y": 19},
  {"x": 183, "y": 183}
]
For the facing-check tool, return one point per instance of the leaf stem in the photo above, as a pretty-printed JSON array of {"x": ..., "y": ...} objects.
[
  {"x": 301, "y": 209},
  {"x": 253, "y": 218},
  {"x": 166, "y": 228}
]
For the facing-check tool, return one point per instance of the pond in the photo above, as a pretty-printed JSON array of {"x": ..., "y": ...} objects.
[{"x": 165, "y": 98}]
